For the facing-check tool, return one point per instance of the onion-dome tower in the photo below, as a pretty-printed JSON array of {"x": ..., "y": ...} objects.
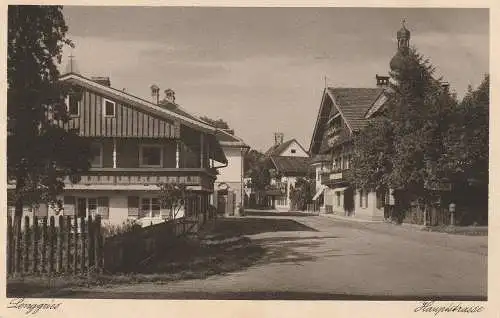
[{"x": 398, "y": 61}]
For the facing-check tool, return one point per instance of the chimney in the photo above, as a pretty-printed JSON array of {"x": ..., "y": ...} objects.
[
  {"x": 382, "y": 81},
  {"x": 278, "y": 138},
  {"x": 101, "y": 80},
  {"x": 155, "y": 94},
  {"x": 170, "y": 96}
]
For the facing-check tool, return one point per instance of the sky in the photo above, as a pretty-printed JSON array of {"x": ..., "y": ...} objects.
[{"x": 263, "y": 69}]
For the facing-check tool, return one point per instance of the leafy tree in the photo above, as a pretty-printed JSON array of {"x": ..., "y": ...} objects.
[
  {"x": 40, "y": 152},
  {"x": 302, "y": 193},
  {"x": 173, "y": 197},
  {"x": 467, "y": 148},
  {"x": 217, "y": 123},
  {"x": 403, "y": 146},
  {"x": 252, "y": 160}
]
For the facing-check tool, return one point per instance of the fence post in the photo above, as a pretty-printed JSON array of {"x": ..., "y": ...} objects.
[
  {"x": 59, "y": 243},
  {"x": 82, "y": 239},
  {"x": 75, "y": 241},
  {"x": 43, "y": 245},
  {"x": 97, "y": 242},
  {"x": 26, "y": 243},
  {"x": 16, "y": 228},
  {"x": 68, "y": 244},
  {"x": 51, "y": 237},
  {"x": 10, "y": 239},
  {"x": 90, "y": 249},
  {"x": 34, "y": 251}
]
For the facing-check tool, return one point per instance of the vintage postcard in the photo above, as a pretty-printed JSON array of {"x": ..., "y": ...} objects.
[{"x": 287, "y": 160}]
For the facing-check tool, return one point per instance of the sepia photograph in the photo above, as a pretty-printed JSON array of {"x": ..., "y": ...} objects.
[{"x": 247, "y": 153}]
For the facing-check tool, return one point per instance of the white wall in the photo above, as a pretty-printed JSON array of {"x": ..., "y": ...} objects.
[
  {"x": 231, "y": 173},
  {"x": 298, "y": 151}
]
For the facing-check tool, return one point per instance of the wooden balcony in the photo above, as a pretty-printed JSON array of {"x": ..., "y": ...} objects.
[
  {"x": 143, "y": 178},
  {"x": 332, "y": 177}
]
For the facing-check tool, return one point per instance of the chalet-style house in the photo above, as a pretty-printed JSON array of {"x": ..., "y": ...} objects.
[
  {"x": 137, "y": 144},
  {"x": 342, "y": 113},
  {"x": 229, "y": 186},
  {"x": 288, "y": 161}
]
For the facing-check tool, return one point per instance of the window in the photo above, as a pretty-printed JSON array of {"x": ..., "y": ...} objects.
[
  {"x": 96, "y": 154},
  {"x": 89, "y": 206},
  {"x": 150, "y": 207},
  {"x": 73, "y": 105},
  {"x": 109, "y": 108},
  {"x": 293, "y": 151},
  {"x": 151, "y": 156}
]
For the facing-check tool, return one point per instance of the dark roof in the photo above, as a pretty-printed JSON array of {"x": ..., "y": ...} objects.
[
  {"x": 276, "y": 150},
  {"x": 354, "y": 103},
  {"x": 291, "y": 165}
]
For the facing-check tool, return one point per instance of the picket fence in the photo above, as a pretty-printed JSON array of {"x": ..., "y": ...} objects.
[{"x": 73, "y": 245}]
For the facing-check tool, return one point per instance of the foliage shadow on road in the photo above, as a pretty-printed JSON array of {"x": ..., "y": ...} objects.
[{"x": 231, "y": 227}]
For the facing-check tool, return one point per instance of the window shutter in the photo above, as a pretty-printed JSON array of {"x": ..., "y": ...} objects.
[
  {"x": 69, "y": 205},
  {"x": 133, "y": 206},
  {"x": 103, "y": 207}
]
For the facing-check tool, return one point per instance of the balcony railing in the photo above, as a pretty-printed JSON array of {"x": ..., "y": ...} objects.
[
  {"x": 144, "y": 177},
  {"x": 332, "y": 176}
]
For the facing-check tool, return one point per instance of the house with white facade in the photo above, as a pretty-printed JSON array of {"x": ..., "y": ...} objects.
[
  {"x": 136, "y": 145},
  {"x": 229, "y": 185},
  {"x": 287, "y": 161}
]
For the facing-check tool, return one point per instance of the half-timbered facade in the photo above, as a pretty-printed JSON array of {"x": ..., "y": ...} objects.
[{"x": 136, "y": 145}]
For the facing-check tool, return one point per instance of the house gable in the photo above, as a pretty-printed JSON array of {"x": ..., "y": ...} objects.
[
  {"x": 293, "y": 149},
  {"x": 351, "y": 105},
  {"x": 128, "y": 120}
]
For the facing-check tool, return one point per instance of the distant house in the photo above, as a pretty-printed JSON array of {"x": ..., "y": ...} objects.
[
  {"x": 136, "y": 145},
  {"x": 229, "y": 186},
  {"x": 287, "y": 161}
]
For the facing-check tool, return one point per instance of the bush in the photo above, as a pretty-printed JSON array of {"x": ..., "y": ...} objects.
[{"x": 128, "y": 226}]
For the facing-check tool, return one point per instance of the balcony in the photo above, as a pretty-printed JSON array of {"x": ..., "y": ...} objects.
[
  {"x": 332, "y": 177},
  {"x": 143, "y": 178}
]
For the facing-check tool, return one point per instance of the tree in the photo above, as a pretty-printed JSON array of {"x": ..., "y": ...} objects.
[
  {"x": 41, "y": 154},
  {"x": 173, "y": 197},
  {"x": 217, "y": 123},
  {"x": 302, "y": 193},
  {"x": 467, "y": 148},
  {"x": 403, "y": 146}
]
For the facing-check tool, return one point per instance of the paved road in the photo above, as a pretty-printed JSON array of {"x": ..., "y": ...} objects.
[{"x": 336, "y": 259}]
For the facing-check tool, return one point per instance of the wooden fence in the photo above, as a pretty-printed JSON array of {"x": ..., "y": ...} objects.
[
  {"x": 131, "y": 251},
  {"x": 43, "y": 247}
]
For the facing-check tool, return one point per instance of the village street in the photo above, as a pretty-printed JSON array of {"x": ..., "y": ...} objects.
[{"x": 319, "y": 257}]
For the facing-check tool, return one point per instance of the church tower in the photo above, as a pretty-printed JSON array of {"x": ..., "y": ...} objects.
[{"x": 403, "y": 37}]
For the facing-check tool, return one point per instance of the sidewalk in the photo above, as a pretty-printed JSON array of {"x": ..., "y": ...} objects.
[{"x": 457, "y": 230}]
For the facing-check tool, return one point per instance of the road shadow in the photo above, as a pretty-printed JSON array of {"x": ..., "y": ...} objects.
[
  {"x": 277, "y": 213},
  {"x": 230, "y": 227}
]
